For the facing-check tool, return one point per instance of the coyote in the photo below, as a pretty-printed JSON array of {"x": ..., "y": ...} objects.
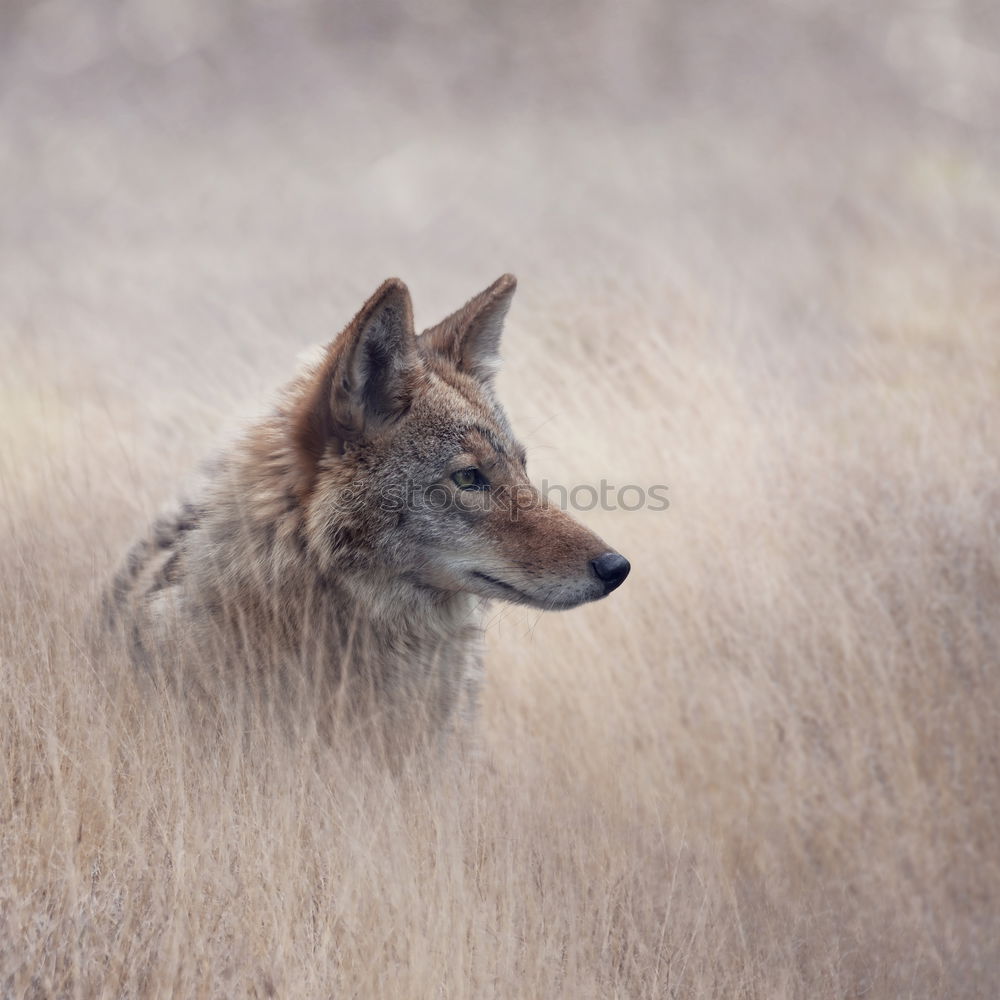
[{"x": 366, "y": 522}]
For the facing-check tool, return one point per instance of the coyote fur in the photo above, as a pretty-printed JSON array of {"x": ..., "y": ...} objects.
[{"x": 366, "y": 522}]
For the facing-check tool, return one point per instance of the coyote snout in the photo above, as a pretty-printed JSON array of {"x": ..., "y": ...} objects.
[
  {"x": 300, "y": 538},
  {"x": 543, "y": 558}
]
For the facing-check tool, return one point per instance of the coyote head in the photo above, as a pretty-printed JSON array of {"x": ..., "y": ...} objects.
[{"x": 407, "y": 466}]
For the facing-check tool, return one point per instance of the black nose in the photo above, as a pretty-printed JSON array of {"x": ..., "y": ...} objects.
[{"x": 612, "y": 568}]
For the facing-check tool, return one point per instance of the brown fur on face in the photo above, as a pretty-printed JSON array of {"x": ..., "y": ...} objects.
[{"x": 421, "y": 417}]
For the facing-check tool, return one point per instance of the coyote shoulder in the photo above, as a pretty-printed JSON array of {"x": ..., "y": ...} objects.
[{"x": 363, "y": 524}]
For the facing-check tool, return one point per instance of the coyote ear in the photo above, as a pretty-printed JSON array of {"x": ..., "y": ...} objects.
[
  {"x": 470, "y": 337},
  {"x": 365, "y": 381}
]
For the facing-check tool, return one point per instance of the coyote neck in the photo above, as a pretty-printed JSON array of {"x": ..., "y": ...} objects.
[
  {"x": 406, "y": 644},
  {"x": 399, "y": 616}
]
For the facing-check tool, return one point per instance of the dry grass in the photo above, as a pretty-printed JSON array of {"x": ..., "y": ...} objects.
[{"x": 766, "y": 767}]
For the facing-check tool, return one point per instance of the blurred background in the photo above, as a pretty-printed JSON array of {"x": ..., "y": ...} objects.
[{"x": 269, "y": 161}]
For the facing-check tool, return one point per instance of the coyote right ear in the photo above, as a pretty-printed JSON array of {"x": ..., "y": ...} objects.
[
  {"x": 366, "y": 380},
  {"x": 470, "y": 337}
]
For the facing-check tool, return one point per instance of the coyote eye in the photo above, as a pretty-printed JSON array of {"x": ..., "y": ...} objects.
[{"x": 469, "y": 479}]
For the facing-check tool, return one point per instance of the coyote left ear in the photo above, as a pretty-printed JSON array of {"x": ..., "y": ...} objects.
[
  {"x": 470, "y": 337},
  {"x": 365, "y": 382}
]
